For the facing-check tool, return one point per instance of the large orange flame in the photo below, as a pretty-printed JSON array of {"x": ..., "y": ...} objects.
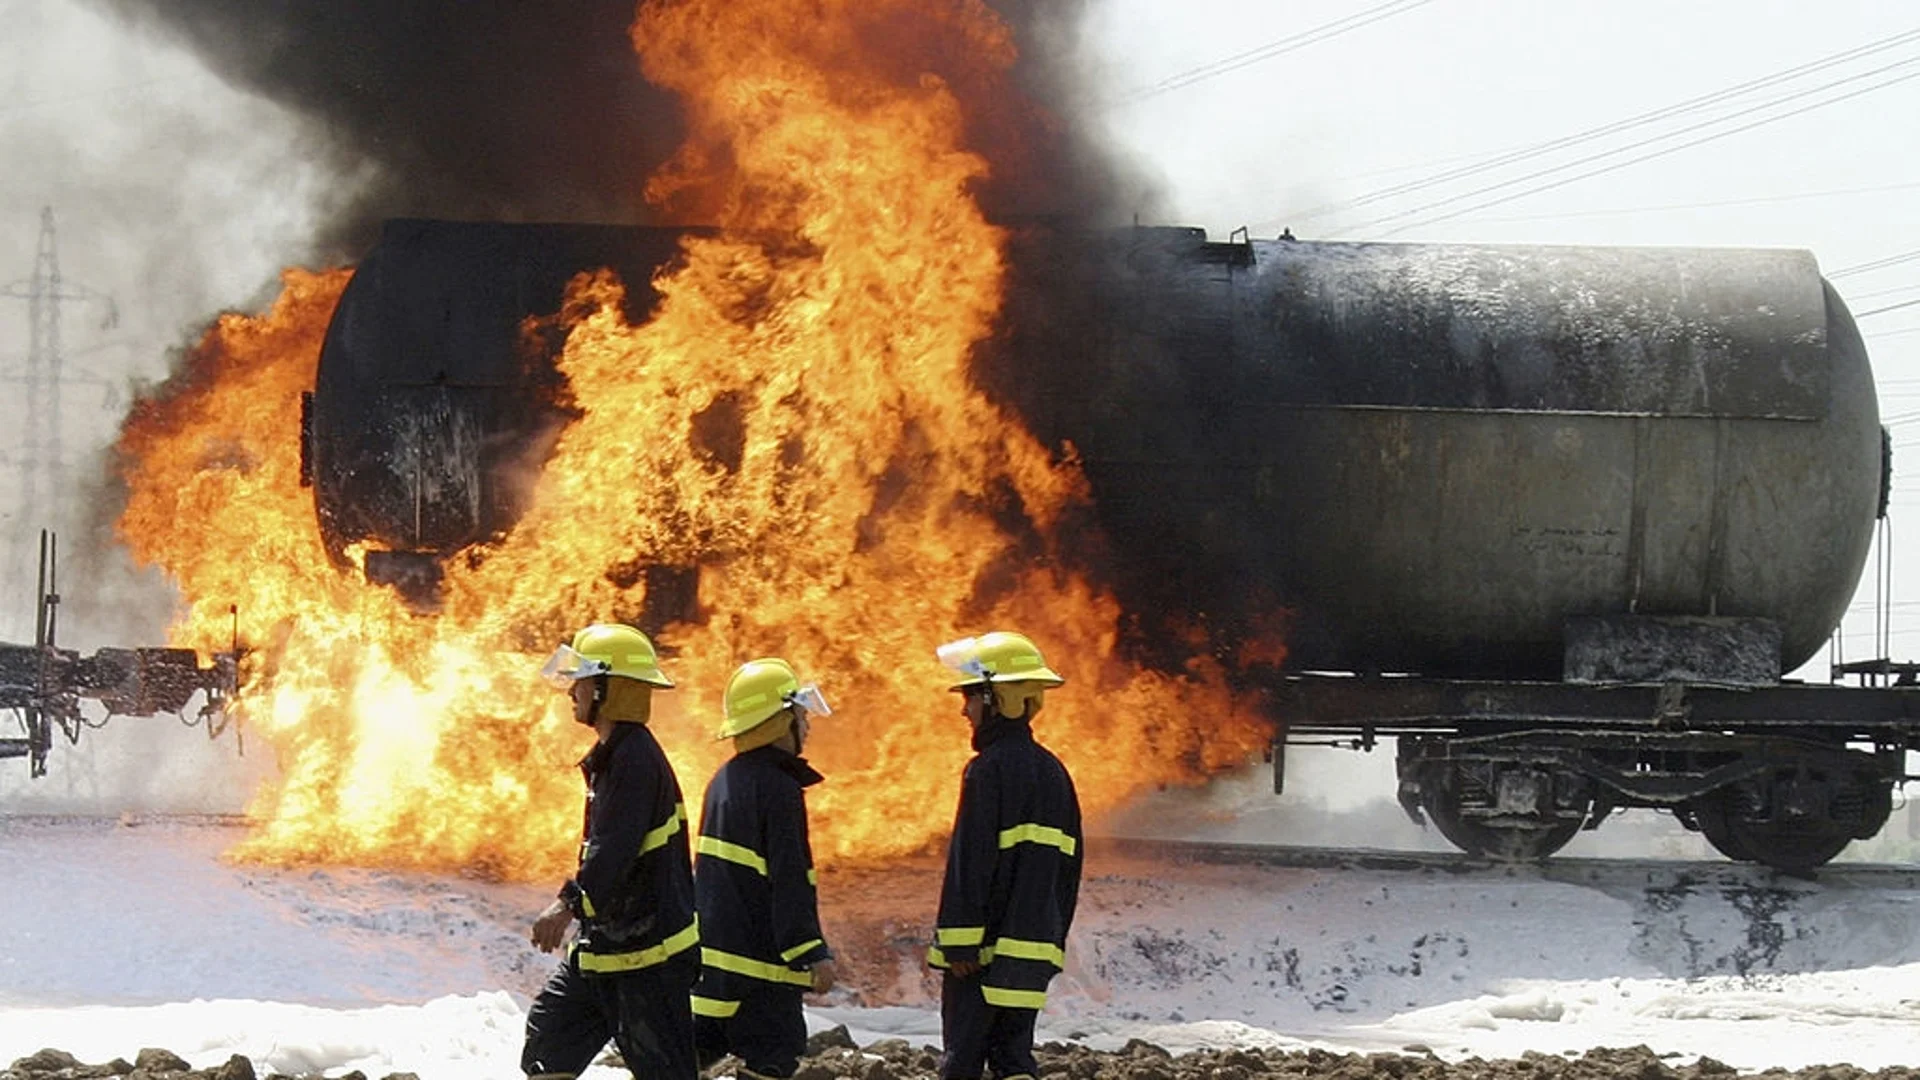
[{"x": 876, "y": 503}]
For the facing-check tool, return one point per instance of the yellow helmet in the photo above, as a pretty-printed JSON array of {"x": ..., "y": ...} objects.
[
  {"x": 762, "y": 688},
  {"x": 605, "y": 649},
  {"x": 757, "y": 691},
  {"x": 999, "y": 657}
]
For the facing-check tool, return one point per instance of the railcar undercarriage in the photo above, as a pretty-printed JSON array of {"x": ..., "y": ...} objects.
[
  {"x": 45, "y": 686},
  {"x": 1785, "y": 775}
]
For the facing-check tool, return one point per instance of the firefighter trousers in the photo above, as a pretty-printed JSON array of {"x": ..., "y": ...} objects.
[
  {"x": 647, "y": 1013},
  {"x": 975, "y": 1035},
  {"x": 768, "y": 1034}
]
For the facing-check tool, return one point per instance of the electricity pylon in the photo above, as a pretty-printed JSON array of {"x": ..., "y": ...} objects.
[{"x": 39, "y": 457}]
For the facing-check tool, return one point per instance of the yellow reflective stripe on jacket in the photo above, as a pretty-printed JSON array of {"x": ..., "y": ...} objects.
[
  {"x": 812, "y": 878},
  {"x": 1002, "y": 998},
  {"x": 960, "y": 935},
  {"x": 800, "y": 950},
  {"x": 733, "y": 853},
  {"x": 640, "y": 958},
  {"x": 659, "y": 837},
  {"x": 1031, "y": 833},
  {"x": 1025, "y": 950},
  {"x": 714, "y": 1007},
  {"x": 1013, "y": 948},
  {"x": 754, "y": 969},
  {"x": 654, "y": 838}
]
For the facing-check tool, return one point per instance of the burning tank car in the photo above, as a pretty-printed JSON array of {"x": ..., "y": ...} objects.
[{"x": 1557, "y": 519}]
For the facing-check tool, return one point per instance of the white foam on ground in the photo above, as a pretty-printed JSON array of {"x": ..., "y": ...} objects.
[{"x": 120, "y": 937}]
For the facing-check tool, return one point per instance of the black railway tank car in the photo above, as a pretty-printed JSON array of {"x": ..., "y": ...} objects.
[
  {"x": 1557, "y": 518},
  {"x": 1435, "y": 454},
  {"x": 431, "y": 400}
]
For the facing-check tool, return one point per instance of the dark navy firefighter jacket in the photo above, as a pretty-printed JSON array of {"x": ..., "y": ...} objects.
[
  {"x": 753, "y": 874},
  {"x": 633, "y": 891},
  {"x": 1013, "y": 867}
]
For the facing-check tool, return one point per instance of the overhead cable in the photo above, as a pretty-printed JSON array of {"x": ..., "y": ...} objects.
[
  {"x": 1877, "y": 264},
  {"x": 1889, "y": 307},
  {"x": 1272, "y": 49},
  {"x": 1615, "y": 166},
  {"x": 1681, "y": 108},
  {"x": 1755, "y": 200},
  {"x": 1909, "y": 287}
]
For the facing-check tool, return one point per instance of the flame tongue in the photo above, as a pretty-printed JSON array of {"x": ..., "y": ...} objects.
[{"x": 795, "y": 419}]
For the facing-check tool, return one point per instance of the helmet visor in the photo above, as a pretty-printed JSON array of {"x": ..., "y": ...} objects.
[
  {"x": 566, "y": 667},
  {"x": 963, "y": 656},
  {"x": 809, "y": 698}
]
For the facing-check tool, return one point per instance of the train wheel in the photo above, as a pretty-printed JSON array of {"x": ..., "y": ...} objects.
[
  {"x": 1795, "y": 847},
  {"x": 1714, "y": 816},
  {"x": 1515, "y": 838},
  {"x": 1801, "y": 819}
]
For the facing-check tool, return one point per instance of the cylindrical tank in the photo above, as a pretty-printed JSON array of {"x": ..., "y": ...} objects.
[
  {"x": 1426, "y": 457},
  {"x": 433, "y": 401},
  {"x": 1431, "y": 456}
]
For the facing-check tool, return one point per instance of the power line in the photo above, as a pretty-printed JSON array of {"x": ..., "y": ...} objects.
[
  {"x": 1877, "y": 264},
  {"x": 1645, "y": 142},
  {"x": 1272, "y": 49},
  {"x": 1687, "y": 106},
  {"x": 1591, "y": 158},
  {"x": 1884, "y": 292},
  {"x": 1889, "y": 307},
  {"x": 1755, "y": 200}
]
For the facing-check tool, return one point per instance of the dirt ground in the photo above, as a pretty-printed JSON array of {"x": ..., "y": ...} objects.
[
  {"x": 832, "y": 1055},
  {"x": 893, "y": 1059}
]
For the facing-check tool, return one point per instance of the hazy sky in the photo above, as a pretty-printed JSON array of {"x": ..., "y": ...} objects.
[
  {"x": 175, "y": 198},
  {"x": 179, "y": 196}
]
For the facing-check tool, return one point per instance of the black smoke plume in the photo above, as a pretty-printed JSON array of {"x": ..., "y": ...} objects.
[
  {"x": 487, "y": 109},
  {"x": 522, "y": 111}
]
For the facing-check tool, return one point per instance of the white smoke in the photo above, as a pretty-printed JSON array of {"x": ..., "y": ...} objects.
[{"x": 173, "y": 197}]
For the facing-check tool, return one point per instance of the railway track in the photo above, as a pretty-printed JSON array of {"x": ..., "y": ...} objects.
[{"x": 1599, "y": 873}]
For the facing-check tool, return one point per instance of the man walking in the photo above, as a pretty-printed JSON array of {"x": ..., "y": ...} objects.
[
  {"x": 629, "y": 972},
  {"x": 761, "y": 943},
  {"x": 1013, "y": 865}
]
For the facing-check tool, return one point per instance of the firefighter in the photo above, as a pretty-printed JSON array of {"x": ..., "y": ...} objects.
[
  {"x": 1013, "y": 865},
  {"x": 636, "y": 956},
  {"x": 761, "y": 945}
]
